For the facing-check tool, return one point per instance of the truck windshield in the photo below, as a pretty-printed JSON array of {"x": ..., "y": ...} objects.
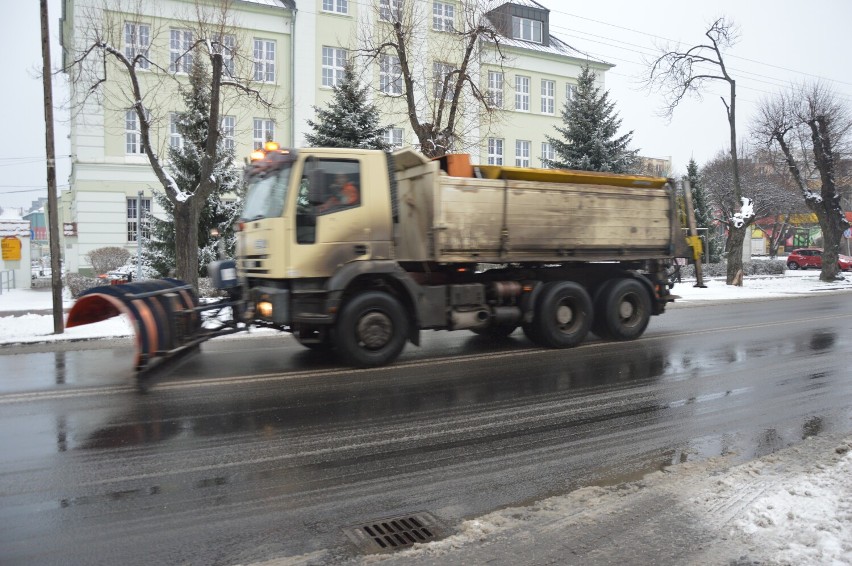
[{"x": 267, "y": 193}]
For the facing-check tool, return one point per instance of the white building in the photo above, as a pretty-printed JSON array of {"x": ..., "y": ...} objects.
[{"x": 293, "y": 52}]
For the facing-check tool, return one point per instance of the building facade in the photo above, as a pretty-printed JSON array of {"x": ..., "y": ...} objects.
[{"x": 293, "y": 53}]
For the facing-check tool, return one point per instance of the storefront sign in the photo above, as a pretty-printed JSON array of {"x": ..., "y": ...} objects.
[{"x": 11, "y": 248}]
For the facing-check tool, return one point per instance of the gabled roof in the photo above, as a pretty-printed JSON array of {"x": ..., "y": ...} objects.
[{"x": 289, "y": 4}]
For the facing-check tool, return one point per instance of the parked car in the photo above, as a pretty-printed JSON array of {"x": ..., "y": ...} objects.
[{"x": 803, "y": 258}]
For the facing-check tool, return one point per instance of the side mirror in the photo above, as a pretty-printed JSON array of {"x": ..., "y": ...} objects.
[{"x": 316, "y": 186}]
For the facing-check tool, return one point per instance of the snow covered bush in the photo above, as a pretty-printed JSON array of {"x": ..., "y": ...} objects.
[
  {"x": 750, "y": 268},
  {"x": 76, "y": 283},
  {"x": 107, "y": 259}
]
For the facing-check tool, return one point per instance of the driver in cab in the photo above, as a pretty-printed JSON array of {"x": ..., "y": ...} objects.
[{"x": 343, "y": 193}]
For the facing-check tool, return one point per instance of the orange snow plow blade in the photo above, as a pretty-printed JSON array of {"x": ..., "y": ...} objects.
[{"x": 164, "y": 314}]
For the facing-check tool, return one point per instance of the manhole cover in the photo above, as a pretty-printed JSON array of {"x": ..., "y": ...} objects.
[{"x": 395, "y": 532}]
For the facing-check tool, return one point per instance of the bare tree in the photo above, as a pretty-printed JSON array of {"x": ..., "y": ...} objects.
[
  {"x": 436, "y": 98},
  {"x": 765, "y": 190},
  {"x": 812, "y": 128},
  {"x": 113, "y": 65},
  {"x": 682, "y": 73}
]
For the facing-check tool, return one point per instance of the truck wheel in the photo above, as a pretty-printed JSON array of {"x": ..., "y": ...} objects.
[
  {"x": 371, "y": 330},
  {"x": 563, "y": 315},
  {"x": 622, "y": 310}
]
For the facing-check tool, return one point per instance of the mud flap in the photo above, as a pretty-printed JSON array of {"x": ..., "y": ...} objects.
[{"x": 164, "y": 314}]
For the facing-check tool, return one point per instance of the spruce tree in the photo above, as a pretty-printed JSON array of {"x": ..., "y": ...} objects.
[
  {"x": 184, "y": 164},
  {"x": 589, "y": 136},
  {"x": 703, "y": 215},
  {"x": 349, "y": 120}
]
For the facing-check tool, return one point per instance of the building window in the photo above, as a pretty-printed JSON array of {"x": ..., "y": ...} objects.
[
  {"x": 393, "y": 137},
  {"x": 522, "y": 153},
  {"x": 444, "y": 75},
  {"x": 495, "y": 151},
  {"x": 548, "y": 97},
  {"x": 526, "y": 29},
  {"x": 180, "y": 54},
  {"x": 495, "y": 89},
  {"x": 390, "y": 74},
  {"x": 132, "y": 134},
  {"x": 264, "y": 60},
  {"x": 333, "y": 65},
  {"x": 137, "y": 41},
  {"x": 226, "y": 45},
  {"x": 547, "y": 153},
  {"x": 570, "y": 91},
  {"x": 229, "y": 124},
  {"x": 264, "y": 131},
  {"x": 390, "y": 10},
  {"x": 522, "y": 93},
  {"x": 133, "y": 218},
  {"x": 175, "y": 137},
  {"x": 443, "y": 16},
  {"x": 337, "y": 6}
]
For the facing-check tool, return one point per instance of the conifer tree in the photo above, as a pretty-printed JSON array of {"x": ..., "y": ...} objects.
[
  {"x": 589, "y": 136},
  {"x": 159, "y": 249},
  {"x": 703, "y": 215},
  {"x": 348, "y": 120}
]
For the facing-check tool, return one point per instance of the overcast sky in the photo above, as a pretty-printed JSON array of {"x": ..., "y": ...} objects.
[{"x": 781, "y": 42}]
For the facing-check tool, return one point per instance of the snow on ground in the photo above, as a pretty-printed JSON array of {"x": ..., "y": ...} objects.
[{"x": 791, "y": 507}]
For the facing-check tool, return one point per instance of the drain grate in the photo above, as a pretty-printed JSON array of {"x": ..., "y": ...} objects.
[{"x": 395, "y": 533}]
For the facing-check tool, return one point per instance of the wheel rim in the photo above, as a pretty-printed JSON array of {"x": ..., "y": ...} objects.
[
  {"x": 566, "y": 320},
  {"x": 628, "y": 311},
  {"x": 374, "y": 330}
]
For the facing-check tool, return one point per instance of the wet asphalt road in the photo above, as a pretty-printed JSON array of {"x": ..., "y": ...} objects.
[{"x": 260, "y": 449}]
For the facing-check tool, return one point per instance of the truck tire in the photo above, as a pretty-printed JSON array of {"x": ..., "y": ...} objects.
[
  {"x": 563, "y": 315},
  {"x": 371, "y": 330},
  {"x": 622, "y": 310}
]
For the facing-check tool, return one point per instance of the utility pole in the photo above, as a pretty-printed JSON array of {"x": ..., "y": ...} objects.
[{"x": 52, "y": 201}]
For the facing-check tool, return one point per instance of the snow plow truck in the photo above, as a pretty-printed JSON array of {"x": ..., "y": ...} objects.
[{"x": 361, "y": 250}]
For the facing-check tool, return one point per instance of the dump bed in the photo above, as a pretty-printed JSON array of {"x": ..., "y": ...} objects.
[{"x": 515, "y": 214}]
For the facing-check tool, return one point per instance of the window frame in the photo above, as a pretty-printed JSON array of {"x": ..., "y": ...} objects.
[
  {"x": 495, "y": 92},
  {"x": 263, "y": 55},
  {"x": 547, "y": 152},
  {"x": 333, "y": 71},
  {"x": 390, "y": 75},
  {"x": 443, "y": 16},
  {"x": 390, "y": 10},
  {"x": 526, "y": 29},
  {"x": 522, "y": 153},
  {"x": 180, "y": 55},
  {"x": 175, "y": 137},
  {"x": 522, "y": 93},
  {"x": 229, "y": 127},
  {"x": 132, "y": 221},
  {"x": 137, "y": 41},
  {"x": 266, "y": 128},
  {"x": 440, "y": 71},
  {"x": 496, "y": 151},
  {"x": 132, "y": 134},
  {"x": 394, "y": 137},
  {"x": 548, "y": 97},
  {"x": 335, "y": 6}
]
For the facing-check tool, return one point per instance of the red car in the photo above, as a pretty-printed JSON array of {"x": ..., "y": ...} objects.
[{"x": 804, "y": 258}]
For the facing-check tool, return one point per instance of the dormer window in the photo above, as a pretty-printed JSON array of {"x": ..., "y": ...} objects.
[{"x": 526, "y": 29}]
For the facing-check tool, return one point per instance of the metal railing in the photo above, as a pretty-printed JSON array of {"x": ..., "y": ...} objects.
[{"x": 7, "y": 279}]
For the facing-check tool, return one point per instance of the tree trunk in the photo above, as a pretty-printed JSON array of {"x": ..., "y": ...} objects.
[
  {"x": 832, "y": 226},
  {"x": 186, "y": 241},
  {"x": 734, "y": 247}
]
